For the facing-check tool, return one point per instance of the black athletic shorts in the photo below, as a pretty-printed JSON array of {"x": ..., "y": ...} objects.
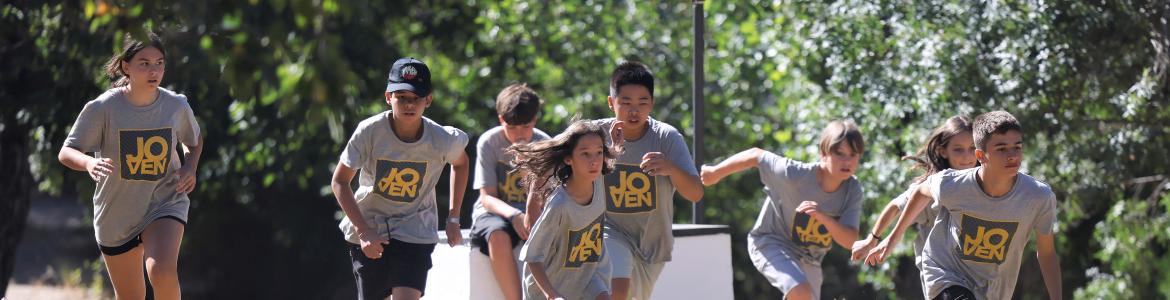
[
  {"x": 402, "y": 265},
  {"x": 955, "y": 292},
  {"x": 483, "y": 227}
]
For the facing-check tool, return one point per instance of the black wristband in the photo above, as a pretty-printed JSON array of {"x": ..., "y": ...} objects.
[{"x": 876, "y": 237}]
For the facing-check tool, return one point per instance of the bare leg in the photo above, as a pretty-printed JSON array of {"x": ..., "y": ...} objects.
[
  {"x": 503, "y": 264},
  {"x": 405, "y": 293},
  {"x": 126, "y": 274},
  {"x": 162, "y": 238}
]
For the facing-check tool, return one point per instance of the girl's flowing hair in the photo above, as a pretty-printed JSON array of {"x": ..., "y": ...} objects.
[
  {"x": 543, "y": 162},
  {"x": 928, "y": 158}
]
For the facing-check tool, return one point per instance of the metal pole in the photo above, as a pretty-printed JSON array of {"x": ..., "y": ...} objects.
[{"x": 697, "y": 97}]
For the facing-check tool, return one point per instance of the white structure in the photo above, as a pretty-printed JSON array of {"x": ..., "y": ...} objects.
[{"x": 700, "y": 269}]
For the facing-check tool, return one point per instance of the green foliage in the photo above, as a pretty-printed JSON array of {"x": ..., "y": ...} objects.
[{"x": 278, "y": 87}]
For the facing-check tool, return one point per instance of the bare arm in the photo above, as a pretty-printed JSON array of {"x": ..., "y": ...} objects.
[
  {"x": 187, "y": 173},
  {"x": 862, "y": 247},
  {"x": 1049, "y": 264},
  {"x": 192, "y": 154},
  {"x": 689, "y": 186},
  {"x": 657, "y": 164},
  {"x": 371, "y": 243},
  {"x": 917, "y": 203},
  {"x": 493, "y": 204},
  {"x": 77, "y": 160},
  {"x": 542, "y": 281},
  {"x": 841, "y": 234},
  {"x": 460, "y": 169},
  {"x": 73, "y": 158},
  {"x": 740, "y": 161},
  {"x": 889, "y": 214}
]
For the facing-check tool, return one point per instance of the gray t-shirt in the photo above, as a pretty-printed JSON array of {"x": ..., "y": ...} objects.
[
  {"x": 639, "y": 210},
  {"x": 978, "y": 241},
  {"x": 396, "y": 186},
  {"x": 787, "y": 183},
  {"x": 567, "y": 240},
  {"x": 143, "y": 143},
  {"x": 923, "y": 222},
  {"x": 493, "y": 166}
]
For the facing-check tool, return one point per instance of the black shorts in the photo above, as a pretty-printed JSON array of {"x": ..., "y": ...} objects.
[
  {"x": 955, "y": 292},
  {"x": 402, "y": 265},
  {"x": 134, "y": 242},
  {"x": 483, "y": 227}
]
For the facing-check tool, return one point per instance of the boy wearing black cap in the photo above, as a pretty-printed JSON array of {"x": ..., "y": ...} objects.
[{"x": 390, "y": 219}]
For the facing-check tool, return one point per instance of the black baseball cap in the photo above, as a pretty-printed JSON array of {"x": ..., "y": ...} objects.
[{"x": 409, "y": 74}]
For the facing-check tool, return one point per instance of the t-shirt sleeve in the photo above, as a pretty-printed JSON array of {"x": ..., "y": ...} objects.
[
  {"x": 189, "y": 132},
  {"x": 851, "y": 217},
  {"x": 86, "y": 134},
  {"x": 677, "y": 152},
  {"x": 544, "y": 233},
  {"x": 459, "y": 141},
  {"x": 357, "y": 151},
  {"x": 1046, "y": 217},
  {"x": 539, "y": 135},
  {"x": 773, "y": 168},
  {"x": 903, "y": 199},
  {"x": 485, "y": 163},
  {"x": 934, "y": 183}
]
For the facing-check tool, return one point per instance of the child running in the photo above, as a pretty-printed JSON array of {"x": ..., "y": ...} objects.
[
  {"x": 135, "y": 130},
  {"x": 984, "y": 219},
  {"x": 808, "y": 206},
  {"x": 949, "y": 146},
  {"x": 565, "y": 255},
  {"x": 639, "y": 193},
  {"x": 390, "y": 221}
]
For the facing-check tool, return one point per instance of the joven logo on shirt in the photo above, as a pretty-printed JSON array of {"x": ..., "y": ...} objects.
[
  {"x": 145, "y": 153},
  {"x": 630, "y": 190},
  {"x": 808, "y": 231},
  {"x": 586, "y": 244},
  {"x": 508, "y": 183},
  {"x": 399, "y": 180},
  {"x": 985, "y": 241}
]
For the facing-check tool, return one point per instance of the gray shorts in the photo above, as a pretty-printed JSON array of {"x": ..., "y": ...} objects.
[
  {"x": 784, "y": 270},
  {"x": 594, "y": 288},
  {"x": 626, "y": 264}
]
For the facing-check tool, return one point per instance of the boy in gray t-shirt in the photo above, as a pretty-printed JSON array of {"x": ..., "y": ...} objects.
[
  {"x": 497, "y": 221},
  {"x": 639, "y": 193},
  {"x": 808, "y": 207},
  {"x": 985, "y": 216},
  {"x": 390, "y": 220}
]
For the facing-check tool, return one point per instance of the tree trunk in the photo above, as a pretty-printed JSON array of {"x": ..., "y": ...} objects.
[
  {"x": 1157, "y": 14},
  {"x": 15, "y": 186}
]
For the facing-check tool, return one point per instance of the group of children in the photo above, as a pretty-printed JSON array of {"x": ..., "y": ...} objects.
[{"x": 591, "y": 207}]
